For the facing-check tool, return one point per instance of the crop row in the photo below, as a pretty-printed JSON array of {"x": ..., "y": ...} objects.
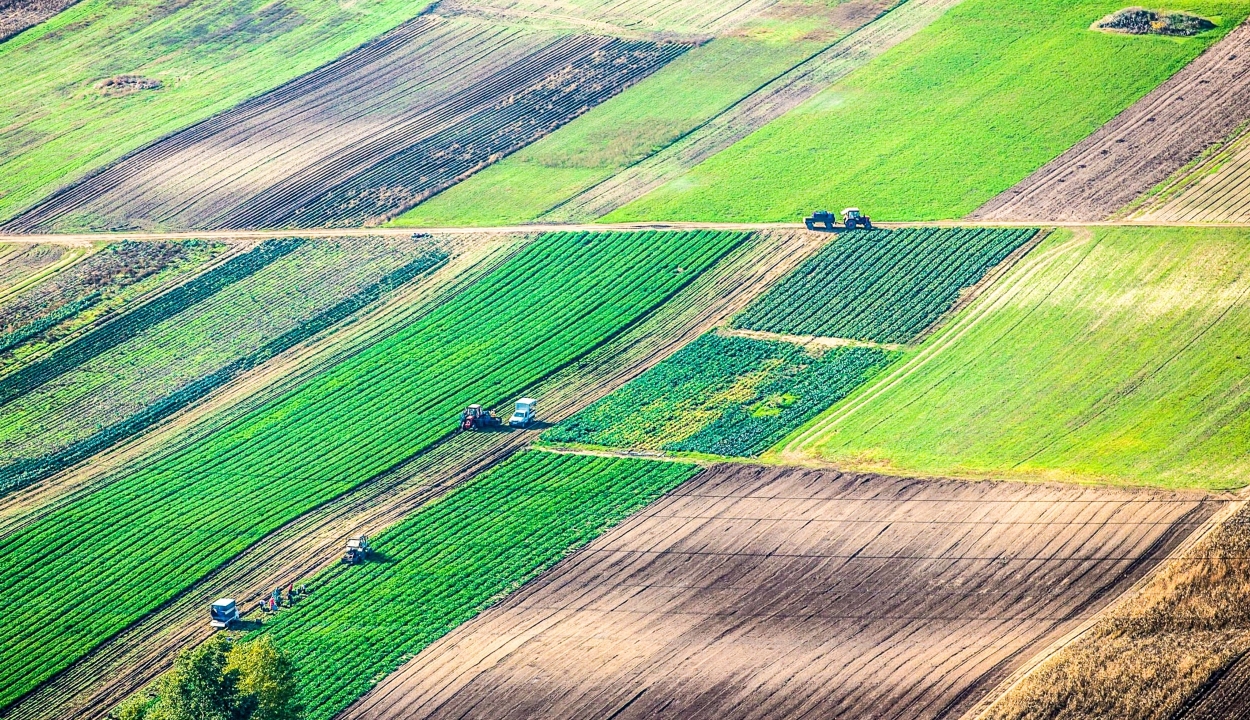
[
  {"x": 92, "y": 290},
  {"x": 157, "y": 371},
  {"x": 28, "y": 470},
  {"x": 131, "y": 324},
  {"x": 452, "y": 559},
  {"x": 722, "y": 395},
  {"x": 561, "y": 296},
  {"x": 883, "y": 286}
]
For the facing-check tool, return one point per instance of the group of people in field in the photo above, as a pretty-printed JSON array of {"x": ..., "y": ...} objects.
[{"x": 274, "y": 601}]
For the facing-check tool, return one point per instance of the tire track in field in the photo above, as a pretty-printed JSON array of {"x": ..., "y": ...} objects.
[
  {"x": 772, "y": 100},
  {"x": 94, "y": 684},
  {"x": 754, "y": 592}
]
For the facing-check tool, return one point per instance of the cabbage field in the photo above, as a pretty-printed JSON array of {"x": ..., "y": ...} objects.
[
  {"x": 453, "y": 558},
  {"x": 723, "y": 395},
  {"x": 558, "y": 298},
  {"x": 882, "y": 286}
]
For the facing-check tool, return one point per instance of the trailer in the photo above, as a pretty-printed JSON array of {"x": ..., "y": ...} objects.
[{"x": 223, "y": 613}]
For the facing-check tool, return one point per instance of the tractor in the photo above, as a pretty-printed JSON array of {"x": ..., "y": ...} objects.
[
  {"x": 475, "y": 418},
  {"x": 852, "y": 218},
  {"x": 223, "y": 614},
  {"x": 357, "y": 551}
]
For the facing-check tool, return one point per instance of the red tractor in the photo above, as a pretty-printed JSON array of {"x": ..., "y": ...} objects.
[{"x": 475, "y": 418}]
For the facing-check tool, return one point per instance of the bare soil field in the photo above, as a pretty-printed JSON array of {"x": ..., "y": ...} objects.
[
  {"x": 17, "y": 15},
  {"x": 769, "y": 102},
  {"x": 1143, "y": 146},
  {"x": 1213, "y": 189},
  {"x": 1227, "y": 699},
  {"x": 92, "y": 686},
  {"x": 655, "y": 19},
  {"x": 754, "y": 592},
  {"x": 362, "y": 138}
]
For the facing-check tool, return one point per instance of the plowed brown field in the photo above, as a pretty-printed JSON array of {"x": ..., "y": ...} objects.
[
  {"x": 363, "y": 137},
  {"x": 756, "y": 592},
  {"x": 1143, "y": 146}
]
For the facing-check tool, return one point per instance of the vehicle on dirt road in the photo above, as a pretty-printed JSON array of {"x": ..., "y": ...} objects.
[
  {"x": 475, "y": 418},
  {"x": 824, "y": 220}
]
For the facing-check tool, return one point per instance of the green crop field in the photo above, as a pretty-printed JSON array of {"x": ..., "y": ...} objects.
[
  {"x": 57, "y": 121},
  {"x": 612, "y": 136},
  {"x": 453, "y": 558},
  {"x": 881, "y": 286},
  {"x": 1113, "y": 354},
  {"x": 559, "y": 297},
  {"x": 128, "y": 374},
  {"x": 722, "y": 395},
  {"x": 944, "y": 121}
]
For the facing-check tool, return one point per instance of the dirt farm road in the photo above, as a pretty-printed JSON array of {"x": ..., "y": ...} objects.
[{"x": 86, "y": 239}]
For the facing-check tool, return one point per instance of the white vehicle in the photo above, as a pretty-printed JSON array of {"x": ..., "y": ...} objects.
[
  {"x": 223, "y": 613},
  {"x": 524, "y": 414}
]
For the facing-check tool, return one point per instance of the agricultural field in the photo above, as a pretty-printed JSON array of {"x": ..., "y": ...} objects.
[
  {"x": 1211, "y": 189},
  {"x": 1106, "y": 354},
  {"x": 23, "y": 266},
  {"x": 451, "y": 559},
  {"x": 17, "y": 15},
  {"x": 127, "y": 375},
  {"x": 555, "y": 300},
  {"x": 1170, "y": 131},
  {"x": 362, "y": 138},
  {"x": 1020, "y": 81},
  {"x": 697, "y": 105},
  {"x": 171, "y": 66},
  {"x": 884, "y": 286},
  {"x": 1173, "y": 648},
  {"x": 128, "y": 661},
  {"x": 722, "y": 395},
  {"x": 782, "y": 592},
  {"x": 93, "y": 290}
]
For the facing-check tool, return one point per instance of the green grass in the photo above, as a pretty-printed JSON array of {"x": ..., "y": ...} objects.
[
  {"x": 943, "y": 122},
  {"x": 612, "y": 136},
  {"x": 452, "y": 559},
  {"x": 722, "y": 395},
  {"x": 558, "y": 298},
  {"x": 55, "y": 124},
  {"x": 1118, "y": 355}
]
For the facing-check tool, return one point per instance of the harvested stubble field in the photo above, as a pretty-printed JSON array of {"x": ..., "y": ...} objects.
[
  {"x": 1196, "y": 109},
  {"x": 767, "y": 592},
  {"x": 1163, "y": 652},
  {"x": 124, "y": 663},
  {"x": 362, "y": 138},
  {"x": 22, "y": 266}
]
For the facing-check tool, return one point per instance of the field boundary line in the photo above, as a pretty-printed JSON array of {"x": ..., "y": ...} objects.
[{"x": 809, "y": 341}]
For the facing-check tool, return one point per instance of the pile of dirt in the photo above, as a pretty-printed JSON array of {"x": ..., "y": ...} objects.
[
  {"x": 1140, "y": 21},
  {"x": 127, "y": 84}
]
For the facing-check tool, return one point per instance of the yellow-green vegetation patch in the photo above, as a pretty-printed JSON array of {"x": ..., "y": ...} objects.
[
  {"x": 1112, "y": 354},
  {"x": 943, "y": 122},
  {"x": 104, "y": 78},
  {"x": 722, "y": 395}
]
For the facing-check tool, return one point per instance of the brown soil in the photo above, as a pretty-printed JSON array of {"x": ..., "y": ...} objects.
[
  {"x": 92, "y": 686},
  {"x": 17, "y": 15},
  {"x": 757, "y": 592},
  {"x": 1144, "y": 145}
]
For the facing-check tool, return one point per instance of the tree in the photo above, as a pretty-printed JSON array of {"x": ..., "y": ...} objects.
[
  {"x": 221, "y": 680},
  {"x": 266, "y": 680}
]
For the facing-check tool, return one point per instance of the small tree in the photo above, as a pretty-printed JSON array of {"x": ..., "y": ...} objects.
[
  {"x": 221, "y": 680},
  {"x": 266, "y": 680}
]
